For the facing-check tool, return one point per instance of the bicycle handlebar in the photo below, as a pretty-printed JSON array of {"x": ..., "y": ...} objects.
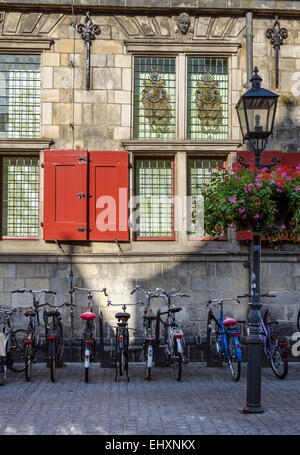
[
  {"x": 59, "y": 306},
  {"x": 32, "y": 291},
  {"x": 74, "y": 289},
  {"x": 121, "y": 304},
  {"x": 219, "y": 301},
  {"x": 249, "y": 295}
]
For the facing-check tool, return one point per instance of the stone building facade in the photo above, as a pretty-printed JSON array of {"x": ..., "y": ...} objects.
[{"x": 171, "y": 38}]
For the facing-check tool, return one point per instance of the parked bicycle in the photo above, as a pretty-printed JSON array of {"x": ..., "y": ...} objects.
[
  {"x": 151, "y": 338},
  {"x": 11, "y": 344},
  {"x": 173, "y": 335},
  {"x": 54, "y": 338},
  {"x": 120, "y": 353},
  {"x": 32, "y": 337},
  {"x": 88, "y": 340},
  {"x": 275, "y": 350},
  {"x": 223, "y": 338}
]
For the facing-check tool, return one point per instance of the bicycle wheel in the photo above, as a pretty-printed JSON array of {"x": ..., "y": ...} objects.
[
  {"x": 233, "y": 362},
  {"x": 59, "y": 345},
  {"x": 28, "y": 362},
  {"x": 213, "y": 339},
  {"x": 52, "y": 359},
  {"x": 15, "y": 352},
  {"x": 279, "y": 363},
  {"x": 3, "y": 371}
]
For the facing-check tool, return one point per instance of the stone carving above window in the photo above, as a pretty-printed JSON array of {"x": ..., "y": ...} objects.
[
  {"x": 181, "y": 27},
  {"x": 24, "y": 24},
  {"x": 184, "y": 28}
]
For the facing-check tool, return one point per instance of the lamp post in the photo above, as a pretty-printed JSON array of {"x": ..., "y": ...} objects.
[{"x": 256, "y": 113}]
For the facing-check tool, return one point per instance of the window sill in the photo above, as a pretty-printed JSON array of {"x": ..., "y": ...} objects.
[{"x": 174, "y": 146}]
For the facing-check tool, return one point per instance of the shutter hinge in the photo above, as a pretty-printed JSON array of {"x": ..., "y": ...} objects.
[
  {"x": 42, "y": 165},
  {"x": 81, "y": 195},
  {"x": 81, "y": 159},
  {"x": 80, "y": 229}
]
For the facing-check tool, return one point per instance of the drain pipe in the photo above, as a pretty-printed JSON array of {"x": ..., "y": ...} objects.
[{"x": 249, "y": 47}]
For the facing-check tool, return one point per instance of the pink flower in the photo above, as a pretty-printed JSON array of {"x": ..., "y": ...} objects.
[
  {"x": 297, "y": 188},
  {"x": 257, "y": 216},
  {"x": 283, "y": 227},
  {"x": 259, "y": 184},
  {"x": 233, "y": 200},
  {"x": 241, "y": 210},
  {"x": 272, "y": 182},
  {"x": 246, "y": 191},
  {"x": 224, "y": 199}
]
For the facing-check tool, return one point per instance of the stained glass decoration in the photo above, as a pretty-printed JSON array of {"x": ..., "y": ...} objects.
[
  {"x": 208, "y": 101},
  {"x": 154, "y": 98},
  {"x": 207, "y": 95},
  {"x": 158, "y": 110}
]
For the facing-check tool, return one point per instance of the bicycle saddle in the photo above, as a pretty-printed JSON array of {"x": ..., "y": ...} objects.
[
  {"x": 88, "y": 315},
  {"x": 29, "y": 313},
  {"x": 175, "y": 310},
  {"x": 229, "y": 321},
  {"x": 150, "y": 318},
  {"x": 52, "y": 313},
  {"x": 122, "y": 316}
]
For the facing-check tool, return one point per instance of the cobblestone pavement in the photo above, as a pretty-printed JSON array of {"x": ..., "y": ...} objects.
[{"x": 207, "y": 401}]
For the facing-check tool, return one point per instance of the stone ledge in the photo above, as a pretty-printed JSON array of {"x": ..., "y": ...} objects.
[
  {"x": 24, "y": 145},
  {"x": 205, "y": 147},
  {"x": 23, "y": 44},
  {"x": 271, "y": 6},
  {"x": 205, "y": 47}
]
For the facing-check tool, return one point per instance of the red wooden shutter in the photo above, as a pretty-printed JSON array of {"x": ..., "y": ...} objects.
[
  {"x": 108, "y": 199},
  {"x": 65, "y": 194},
  {"x": 266, "y": 157},
  {"x": 290, "y": 159}
]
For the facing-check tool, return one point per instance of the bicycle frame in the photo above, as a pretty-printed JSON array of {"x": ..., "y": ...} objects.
[{"x": 227, "y": 333}]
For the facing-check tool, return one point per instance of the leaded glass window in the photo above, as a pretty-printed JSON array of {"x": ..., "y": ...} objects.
[
  {"x": 19, "y": 96},
  {"x": 207, "y": 98},
  {"x": 20, "y": 197},
  {"x": 154, "y": 98},
  {"x": 154, "y": 190},
  {"x": 199, "y": 173}
]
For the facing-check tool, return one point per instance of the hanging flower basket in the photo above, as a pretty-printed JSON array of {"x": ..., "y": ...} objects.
[{"x": 256, "y": 200}]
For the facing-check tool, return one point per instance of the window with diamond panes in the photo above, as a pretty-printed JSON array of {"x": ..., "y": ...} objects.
[
  {"x": 20, "y": 197},
  {"x": 154, "y": 187},
  {"x": 199, "y": 174},
  {"x": 207, "y": 98},
  {"x": 154, "y": 98},
  {"x": 19, "y": 96}
]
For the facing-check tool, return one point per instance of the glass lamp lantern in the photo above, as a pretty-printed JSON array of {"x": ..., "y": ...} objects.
[{"x": 256, "y": 111}]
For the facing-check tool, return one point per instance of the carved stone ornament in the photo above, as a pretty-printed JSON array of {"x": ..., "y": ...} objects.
[{"x": 184, "y": 28}]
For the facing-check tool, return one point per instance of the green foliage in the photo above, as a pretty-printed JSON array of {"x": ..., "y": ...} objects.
[{"x": 255, "y": 200}]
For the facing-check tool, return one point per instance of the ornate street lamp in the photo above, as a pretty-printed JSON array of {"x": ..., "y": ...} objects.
[{"x": 256, "y": 112}]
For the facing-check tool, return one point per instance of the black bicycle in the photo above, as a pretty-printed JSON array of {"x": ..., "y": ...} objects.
[
  {"x": 88, "y": 340},
  {"x": 54, "y": 338},
  {"x": 11, "y": 344},
  {"x": 151, "y": 340},
  {"x": 32, "y": 337},
  {"x": 173, "y": 335},
  {"x": 120, "y": 353}
]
